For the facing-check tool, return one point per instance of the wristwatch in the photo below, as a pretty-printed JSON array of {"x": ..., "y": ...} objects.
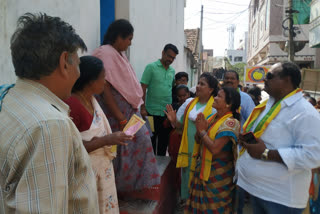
[{"x": 264, "y": 155}]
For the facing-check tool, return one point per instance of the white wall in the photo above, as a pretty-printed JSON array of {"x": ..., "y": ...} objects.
[
  {"x": 236, "y": 53},
  {"x": 155, "y": 23},
  {"x": 83, "y": 15}
]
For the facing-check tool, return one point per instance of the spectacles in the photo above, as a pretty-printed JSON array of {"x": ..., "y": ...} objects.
[{"x": 270, "y": 76}]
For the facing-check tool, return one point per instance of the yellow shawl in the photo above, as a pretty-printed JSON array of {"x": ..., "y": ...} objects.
[
  {"x": 206, "y": 158},
  {"x": 183, "y": 159},
  {"x": 266, "y": 120}
]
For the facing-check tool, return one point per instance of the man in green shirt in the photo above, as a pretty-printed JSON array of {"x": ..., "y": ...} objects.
[{"x": 157, "y": 82}]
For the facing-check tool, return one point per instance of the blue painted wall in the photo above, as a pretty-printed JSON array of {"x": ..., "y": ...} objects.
[{"x": 107, "y": 15}]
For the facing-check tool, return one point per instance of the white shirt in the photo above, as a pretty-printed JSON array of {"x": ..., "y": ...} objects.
[
  {"x": 295, "y": 133},
  {"x": 193, "y": 113}
]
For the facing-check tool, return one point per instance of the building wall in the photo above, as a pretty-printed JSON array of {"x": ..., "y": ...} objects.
[
  {"x": 266, "y": 32},
  {"x": 83, "y": 15},
  {"x": 107, "y": 16},
  {"x": 187, "y": 57},
  {"x": 314, "y": 34},
  {"x": 232, "y": 54},
  {"x": 155, "y": 23}
]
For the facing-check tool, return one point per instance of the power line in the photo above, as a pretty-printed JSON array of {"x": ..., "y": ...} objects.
[
  {"x": 230, "y": 20},
  {"x": 226, "y": 13},
  {"x": 191, "y": 16},
  {"x": 222, "y": 2}
]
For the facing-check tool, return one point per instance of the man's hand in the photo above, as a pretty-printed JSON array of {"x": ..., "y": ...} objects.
[
  {"x": 143, "y": 112},
  {"x": 117, "y": 138},
  {"x": 254, "y": 150}
]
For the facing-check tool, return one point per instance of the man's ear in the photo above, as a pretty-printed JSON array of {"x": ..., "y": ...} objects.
[
  {"x": 63, "y": 63},
  {"x": 287, "y": 79}
]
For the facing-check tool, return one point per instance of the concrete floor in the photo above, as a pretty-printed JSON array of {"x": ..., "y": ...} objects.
[{"x": 247, "y": 210}]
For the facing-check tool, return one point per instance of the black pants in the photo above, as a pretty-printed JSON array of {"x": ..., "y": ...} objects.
[{"x": 160, "y": 138}]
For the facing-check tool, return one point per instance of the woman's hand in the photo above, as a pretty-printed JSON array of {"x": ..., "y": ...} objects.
[
  {"x": 197, "y": 137},
  {"x": 201, "y": 123},
  {"x": 117, "y": 138},
  {"x": 121, "y": 126},
  {"x": 171, "y": 114}
]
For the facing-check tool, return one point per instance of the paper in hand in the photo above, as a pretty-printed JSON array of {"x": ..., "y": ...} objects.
[{"x": 134, "y": 124}]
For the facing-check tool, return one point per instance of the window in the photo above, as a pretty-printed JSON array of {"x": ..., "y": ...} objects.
[
  {"x": 230, "y": 58},
  {"x": 238, "y": 59},
  {"x": 266, "y": 26}
]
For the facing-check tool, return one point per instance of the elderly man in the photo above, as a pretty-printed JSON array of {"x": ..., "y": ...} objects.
[
  {"x": 276, "y": 171},
  {"x": 157, "y": 82},
  {"x": 44, "y": 165}
]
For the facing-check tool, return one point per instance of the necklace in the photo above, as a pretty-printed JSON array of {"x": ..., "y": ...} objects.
[{"x": 86, "y": 103}]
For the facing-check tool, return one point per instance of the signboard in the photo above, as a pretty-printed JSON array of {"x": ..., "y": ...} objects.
[
  {"x": 255, "y": 74},
  {"x": 310, "y": 79},
  {"x": 314, "y": 34}
]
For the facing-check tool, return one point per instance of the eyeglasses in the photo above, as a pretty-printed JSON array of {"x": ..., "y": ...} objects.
[{"x": 270, "y": 76}]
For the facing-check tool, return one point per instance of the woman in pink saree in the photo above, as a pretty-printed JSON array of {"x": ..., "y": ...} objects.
[{"x": 135, "y": 165}]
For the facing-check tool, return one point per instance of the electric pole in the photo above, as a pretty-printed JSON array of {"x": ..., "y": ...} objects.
[
  {"x": 291, "y": 32},
  {"x": 200, "y": 45}
]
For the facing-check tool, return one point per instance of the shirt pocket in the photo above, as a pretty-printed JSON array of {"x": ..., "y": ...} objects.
[{"x": 277, "y": 134}]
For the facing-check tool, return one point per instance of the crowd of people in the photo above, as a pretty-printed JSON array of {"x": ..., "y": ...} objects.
[{"x": 64, "y": 150}]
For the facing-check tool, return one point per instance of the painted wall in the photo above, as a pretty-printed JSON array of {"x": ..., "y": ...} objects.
[
  {"x": 83, "y": 15},
  {"x": 107, "y": 16},
  {"x": 155, "y": 23},
  {"x": 265, "y": 31}
]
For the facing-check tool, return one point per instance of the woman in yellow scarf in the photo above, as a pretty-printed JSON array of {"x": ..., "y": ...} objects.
[
  {"x": 206, "y": 89},
  {"x": 214, "y": 156}
]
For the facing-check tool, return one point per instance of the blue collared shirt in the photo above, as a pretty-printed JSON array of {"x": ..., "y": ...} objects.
[{"x": 247, "y": 105}]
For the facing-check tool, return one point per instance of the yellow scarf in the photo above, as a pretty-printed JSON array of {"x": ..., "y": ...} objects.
[
  {"x": 183, "y": 159},
  {"x": 266, "y": 120},
  {"x": 206, "y": 158}
]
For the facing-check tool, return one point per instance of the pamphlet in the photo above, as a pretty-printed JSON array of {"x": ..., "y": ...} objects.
[{"x": 134, "y": 124}]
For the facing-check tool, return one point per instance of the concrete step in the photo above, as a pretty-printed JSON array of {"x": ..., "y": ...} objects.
[{"x": 156, "y": 200}]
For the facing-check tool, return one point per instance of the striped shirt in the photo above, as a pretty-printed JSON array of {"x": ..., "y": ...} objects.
[{"x": 44, "y": 167}]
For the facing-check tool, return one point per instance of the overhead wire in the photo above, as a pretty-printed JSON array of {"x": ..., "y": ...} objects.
[
  {"x": 191, "y": 16},
  {"x": 223, "y": 2}
]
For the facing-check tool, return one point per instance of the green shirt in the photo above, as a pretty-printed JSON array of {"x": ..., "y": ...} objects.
[{"x": 159, "y": 91}]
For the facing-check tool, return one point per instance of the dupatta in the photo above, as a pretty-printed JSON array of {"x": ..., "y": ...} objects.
[
  {"x": 183, "y": 157},
  {"x": 99, "y": 127},
  {"x": 206, "y": 158},
  {"x": 120, "y": 74}
]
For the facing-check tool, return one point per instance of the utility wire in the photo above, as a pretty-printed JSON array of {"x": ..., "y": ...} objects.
[
  {"x": 191, "y": 16},
  {"x": 222, "y": 2}
]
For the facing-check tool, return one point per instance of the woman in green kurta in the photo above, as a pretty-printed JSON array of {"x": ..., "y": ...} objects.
[{"x": 206, "y": 89}]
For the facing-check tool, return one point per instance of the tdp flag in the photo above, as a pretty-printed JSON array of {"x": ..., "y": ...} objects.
[{"x": 255, "y": 74}]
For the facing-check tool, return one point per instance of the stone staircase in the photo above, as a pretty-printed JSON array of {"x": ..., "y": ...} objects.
[{"x": 160, "y": 199}]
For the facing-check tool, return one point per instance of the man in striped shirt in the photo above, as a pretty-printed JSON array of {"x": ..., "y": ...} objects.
[{"x": 44, "y": 167}]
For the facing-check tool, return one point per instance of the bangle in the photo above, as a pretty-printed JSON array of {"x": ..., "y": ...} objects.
[
  {"x": 203, "y": 133},
  {"x": 123, "y": 122}
]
